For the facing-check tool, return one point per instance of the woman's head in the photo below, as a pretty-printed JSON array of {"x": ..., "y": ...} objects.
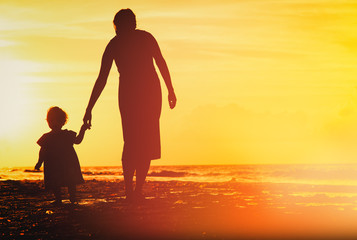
[
  {"x": 56, "y": 118},
  {"x": 124, "y": 21}
]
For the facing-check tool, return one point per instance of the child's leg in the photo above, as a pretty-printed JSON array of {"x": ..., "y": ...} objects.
[{"x": 72, "y": 193}]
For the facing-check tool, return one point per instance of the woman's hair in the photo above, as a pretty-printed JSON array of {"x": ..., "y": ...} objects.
[
  {"x": 125, "y": 20},
  {"x": 56, "y": 116}
]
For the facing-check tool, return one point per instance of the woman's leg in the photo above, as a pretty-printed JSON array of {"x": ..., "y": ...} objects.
[
  {"x": 142, "y": 170},
  {"x": 58, "y": 194},
  {"x": 72, "y": 193},
  {"x": 128, "y": 171}
]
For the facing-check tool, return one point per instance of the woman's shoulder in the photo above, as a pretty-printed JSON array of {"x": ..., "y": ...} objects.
[
  {"x": 115, "y": 38},
  {"x": 146, "y": 37},
  {"x": 112, "y": 41},
  {"x": 143, "y": 33},
  {"x": 138, "y": 33}
]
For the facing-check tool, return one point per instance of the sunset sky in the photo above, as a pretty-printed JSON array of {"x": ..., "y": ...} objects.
[{"x": 257, "y": 81}]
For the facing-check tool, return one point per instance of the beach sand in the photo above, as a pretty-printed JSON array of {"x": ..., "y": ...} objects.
[{"x": 180, "y": 210}]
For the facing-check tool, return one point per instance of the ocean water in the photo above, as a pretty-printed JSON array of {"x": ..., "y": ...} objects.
[{"x": 337, "y": 175}]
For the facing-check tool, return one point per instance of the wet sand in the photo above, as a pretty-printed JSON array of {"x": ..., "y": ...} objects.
[{"x": 181, "y": 210}]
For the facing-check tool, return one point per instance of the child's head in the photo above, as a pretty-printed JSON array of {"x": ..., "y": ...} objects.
[{"x": 56, "y": 118}]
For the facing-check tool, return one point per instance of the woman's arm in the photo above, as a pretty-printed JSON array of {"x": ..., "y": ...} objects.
[
  {"x": 99, "y": 85},
  {"x": 164, "y": 70}
]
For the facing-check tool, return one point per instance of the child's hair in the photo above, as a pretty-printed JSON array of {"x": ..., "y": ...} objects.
[{"x": 56, "y": 116}]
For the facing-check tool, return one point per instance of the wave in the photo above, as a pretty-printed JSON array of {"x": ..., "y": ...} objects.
[
  {"x": 32, "y": 171},
  {"x": 159, "y": 173},
  {"x": 167, "y": 173},
  {"x": 314, "y": 174},
  {"x": 90, "y": 173}
]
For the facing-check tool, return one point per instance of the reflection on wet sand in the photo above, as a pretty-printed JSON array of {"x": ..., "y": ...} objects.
[{"x": 182, "y": 210}]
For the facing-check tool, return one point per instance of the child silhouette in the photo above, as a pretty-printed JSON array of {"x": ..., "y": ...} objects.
[{"x": 61, "y": 165}]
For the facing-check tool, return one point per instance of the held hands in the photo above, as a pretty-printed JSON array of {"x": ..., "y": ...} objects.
[
  {"x": 172, "y": 99},
  {"x": 85, "y": 127},
  {"x": 87, "y": 119}
]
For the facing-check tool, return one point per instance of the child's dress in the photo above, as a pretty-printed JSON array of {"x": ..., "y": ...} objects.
[{"x": 61, "y": 165}]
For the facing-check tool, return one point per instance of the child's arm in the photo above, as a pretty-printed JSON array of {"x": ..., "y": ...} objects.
[
  {"x": 40, "y": 159},
  {"x": 80, "y": 136}
]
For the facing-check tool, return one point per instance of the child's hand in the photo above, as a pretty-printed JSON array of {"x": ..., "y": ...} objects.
[
  {"x": 85, "y": 126},
  {"x": 38, "y": 166}
]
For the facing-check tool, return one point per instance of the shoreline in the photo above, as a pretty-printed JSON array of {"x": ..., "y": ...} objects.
[{"x": 178, "y": 210}]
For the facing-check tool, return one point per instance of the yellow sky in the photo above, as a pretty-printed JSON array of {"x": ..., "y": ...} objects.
[{"x": 257, "y": 81}]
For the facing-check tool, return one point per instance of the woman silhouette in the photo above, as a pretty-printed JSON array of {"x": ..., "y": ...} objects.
[{"x": 139, "y": 96}]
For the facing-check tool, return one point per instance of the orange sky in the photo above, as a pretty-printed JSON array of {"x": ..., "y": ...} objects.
[{"x": 257, "y": 81}]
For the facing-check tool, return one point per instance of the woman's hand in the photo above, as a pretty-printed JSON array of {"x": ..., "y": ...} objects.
[
  {"x": 172, "y": 99},
  {"x": 87, "y": 120},
  {"x": 85, "y": 127}
]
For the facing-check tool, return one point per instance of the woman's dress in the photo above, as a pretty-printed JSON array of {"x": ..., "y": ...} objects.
[{"x": 139, "y": 94}]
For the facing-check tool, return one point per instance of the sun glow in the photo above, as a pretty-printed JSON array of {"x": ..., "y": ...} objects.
[
  {"x": 16, "y": 101},
  {"x": 257, "y": 82}
]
